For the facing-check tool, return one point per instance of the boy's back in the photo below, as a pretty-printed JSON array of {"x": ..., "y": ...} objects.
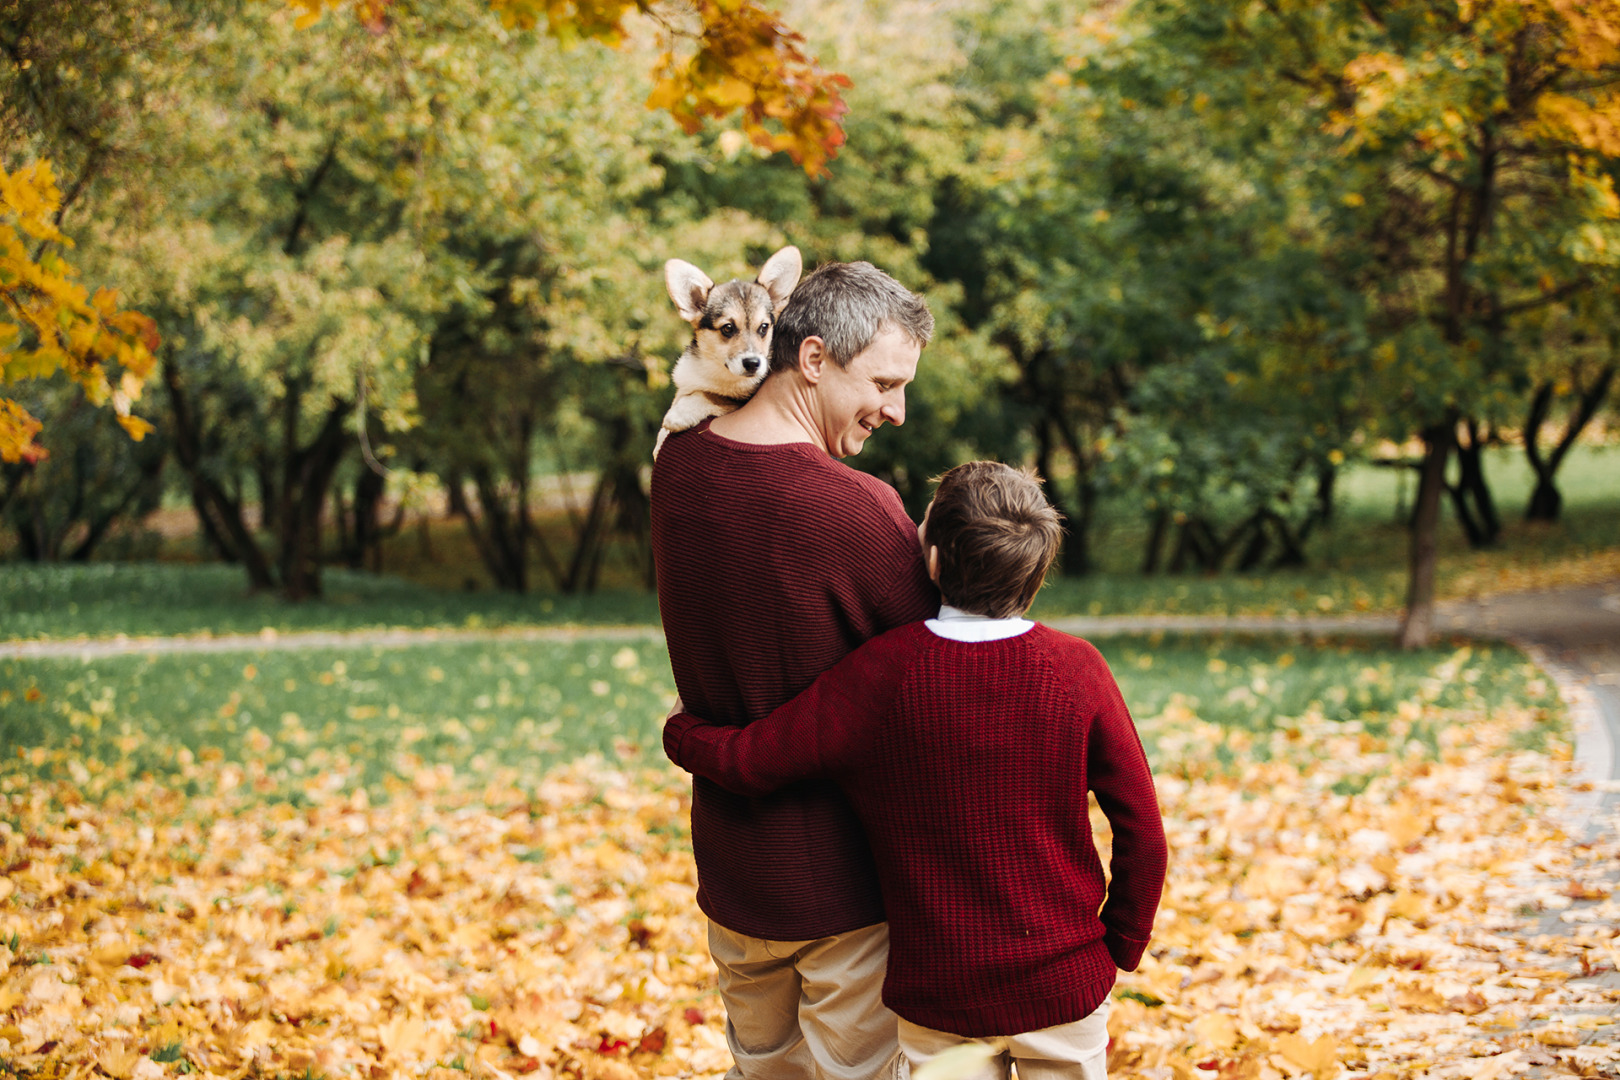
[{"x": 969, "y": 763}]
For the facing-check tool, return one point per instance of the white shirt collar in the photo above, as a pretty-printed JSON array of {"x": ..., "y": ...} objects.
[{"x": 954, "y": 624}]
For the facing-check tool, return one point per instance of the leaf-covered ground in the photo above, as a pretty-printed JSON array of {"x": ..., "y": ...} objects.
[{"x": 1437, "y": 922}]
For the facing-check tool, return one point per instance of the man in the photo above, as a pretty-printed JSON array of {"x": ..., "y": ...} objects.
[{"x": 775, "y": 561}]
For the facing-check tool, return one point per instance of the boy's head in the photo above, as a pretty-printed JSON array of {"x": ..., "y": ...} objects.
[{"x": 989, "y": 537}]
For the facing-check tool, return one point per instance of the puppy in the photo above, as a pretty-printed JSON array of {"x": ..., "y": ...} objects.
[{"x": 729, "y": 354}]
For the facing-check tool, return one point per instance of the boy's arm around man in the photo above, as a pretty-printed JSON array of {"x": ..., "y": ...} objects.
[{"x": 819, "y": 733}]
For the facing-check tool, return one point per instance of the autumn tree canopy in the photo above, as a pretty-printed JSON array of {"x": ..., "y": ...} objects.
[{"x": 717, "y": 60}]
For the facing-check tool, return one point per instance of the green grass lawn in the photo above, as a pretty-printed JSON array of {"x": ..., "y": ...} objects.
[
  {"x": 105, "y": 599},
  {"x": 373, "y": 716}
]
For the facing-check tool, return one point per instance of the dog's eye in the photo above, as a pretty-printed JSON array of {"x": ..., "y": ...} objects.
[
  {"x": 764, "y": 328},
  {"x": 729, "y": 330}
]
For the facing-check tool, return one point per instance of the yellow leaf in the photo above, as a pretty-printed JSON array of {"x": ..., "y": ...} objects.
[
  {"x": 1420, "y": 998},
  {"x": 1360, "y": 979},
  {"x": 1319, "y": 1057},
  {"x": 138, "y": 429},
  {"x": 118, "y": 1062},
  {"x": 17, "y": 431},
  {"x": 1216, "y": 1030}
]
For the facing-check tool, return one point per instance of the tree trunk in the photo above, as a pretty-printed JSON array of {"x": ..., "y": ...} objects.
[
  {"x": 1476, "y": 508},
  {"x": 1044, "y": 448},
  {"x": 1254, "y": 551},
  {"x": 367, "y": 525},
  {"x": 264, "y": 471},
  {"x": 340, "y": 524},
  {"x": 306, "y": 479},
  {"x": 587, "y": 552},
  {"x": 219, "y": 514},
  {"x": 1077, "y": 558},
  {"x": 1417, "y": 628},
  {"x": 1471, "y": 528},
  {"x": 1292, "y": 544},
  {"x": 148, "y": 485},
  {"x": 1546, "y": 502},
  {"x": 1155, "y": 542},
  {"x": 635, "y": 517},
  {"x": 1327, "y": 478},
  {"x": 502, "y": 546}
]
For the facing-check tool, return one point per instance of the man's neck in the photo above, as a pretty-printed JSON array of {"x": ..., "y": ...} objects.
[{"x": 779, "y": 413}]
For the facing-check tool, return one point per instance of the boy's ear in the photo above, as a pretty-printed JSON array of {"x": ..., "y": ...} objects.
[
  {"x": 688, "y": 287},
  {"x": 780, "y": 275},
  {"x": 933, "y": 564}
]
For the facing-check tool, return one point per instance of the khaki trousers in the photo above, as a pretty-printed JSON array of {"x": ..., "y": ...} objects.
[
  {"x": 807, "y": 1009},
  {"x": 1077, "y": 1051}
]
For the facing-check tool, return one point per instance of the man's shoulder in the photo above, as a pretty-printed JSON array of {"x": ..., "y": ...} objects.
[{"x": 868, "y": 491}]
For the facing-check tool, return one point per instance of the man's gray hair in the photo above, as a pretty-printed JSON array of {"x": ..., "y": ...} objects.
[{"x": 847, "y": 305}]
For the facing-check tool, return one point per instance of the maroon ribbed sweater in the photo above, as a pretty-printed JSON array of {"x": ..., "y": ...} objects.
[
  {"x": 969, "y": 764},
  {"x": 773, "y": 563}
]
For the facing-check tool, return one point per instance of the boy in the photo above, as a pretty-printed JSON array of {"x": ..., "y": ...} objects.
[{"x": 967, "y": 744}]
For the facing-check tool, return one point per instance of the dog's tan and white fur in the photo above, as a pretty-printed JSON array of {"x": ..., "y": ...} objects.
[{"x": 729, "y": 354}]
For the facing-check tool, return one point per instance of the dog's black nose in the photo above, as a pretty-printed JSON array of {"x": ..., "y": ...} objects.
[{"x": 750, "y": 364}]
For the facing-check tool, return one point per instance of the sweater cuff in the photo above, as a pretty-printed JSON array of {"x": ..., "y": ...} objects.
[
  {"x": 675, "y": 729},
  {"x": 1127, "y": 952}
]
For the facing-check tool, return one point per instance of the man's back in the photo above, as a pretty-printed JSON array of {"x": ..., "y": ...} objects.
[{"x": 774, "y": 562}]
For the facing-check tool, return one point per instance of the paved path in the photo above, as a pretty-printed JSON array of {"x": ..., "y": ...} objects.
[{"x": 1574, "y": 633}]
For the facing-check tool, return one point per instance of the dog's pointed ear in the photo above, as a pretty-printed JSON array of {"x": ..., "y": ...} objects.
[
  {"x": 780, "y": 275},
  {"x": 688, "y": 287}
]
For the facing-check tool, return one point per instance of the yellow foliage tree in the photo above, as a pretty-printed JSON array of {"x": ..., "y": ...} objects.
[
  {"x": 49, "y": 322},
  {"x": 743, "y": 60}
]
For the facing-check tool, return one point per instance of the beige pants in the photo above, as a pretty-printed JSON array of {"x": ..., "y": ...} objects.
[
  {"x": 1077, "y": 1051},
  {"x": 807, "y": 1009}
]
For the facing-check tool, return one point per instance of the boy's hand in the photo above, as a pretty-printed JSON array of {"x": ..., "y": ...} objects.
[{"x": 675, "y": 709}]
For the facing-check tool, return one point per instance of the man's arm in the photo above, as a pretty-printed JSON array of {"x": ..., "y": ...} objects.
[
  {"x": 876, "y": 538},
  {"x": 1117, "y": 773},
  {"x": 822, "y": 732},
  {"x": 912, "y": 596}
]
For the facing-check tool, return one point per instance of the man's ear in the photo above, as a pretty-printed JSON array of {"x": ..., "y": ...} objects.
[
  {"x": 813, "y": 359},
  {"x": 933, "y": 564}
]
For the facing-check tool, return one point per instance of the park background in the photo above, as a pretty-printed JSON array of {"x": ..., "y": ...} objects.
[{"x": 349, "y": 320}]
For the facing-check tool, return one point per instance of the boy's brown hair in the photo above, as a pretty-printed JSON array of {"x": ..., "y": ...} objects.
[{"x": 997, "y": 536}]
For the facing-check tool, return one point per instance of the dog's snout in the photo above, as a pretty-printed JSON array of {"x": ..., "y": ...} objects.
[{"x": 750, "y": 364}]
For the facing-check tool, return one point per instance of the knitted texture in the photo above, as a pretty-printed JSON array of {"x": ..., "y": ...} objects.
[
  {"x": 969, "y": 763},
  {"x": 773, "y": 563}
]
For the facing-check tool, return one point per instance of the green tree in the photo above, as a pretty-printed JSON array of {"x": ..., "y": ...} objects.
[{"x": 1447, "y": 164}]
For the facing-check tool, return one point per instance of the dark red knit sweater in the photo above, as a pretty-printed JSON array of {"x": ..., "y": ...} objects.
[
  {"x": 773, "y": 563},
  {"x": 969, "y": 764}
]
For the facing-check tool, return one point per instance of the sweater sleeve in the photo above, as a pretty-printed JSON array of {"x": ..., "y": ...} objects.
[
  {"x": 1117, "y": 773},
  {"x": 904, "y": 592},
  {"x": 820, "y": 733}
]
